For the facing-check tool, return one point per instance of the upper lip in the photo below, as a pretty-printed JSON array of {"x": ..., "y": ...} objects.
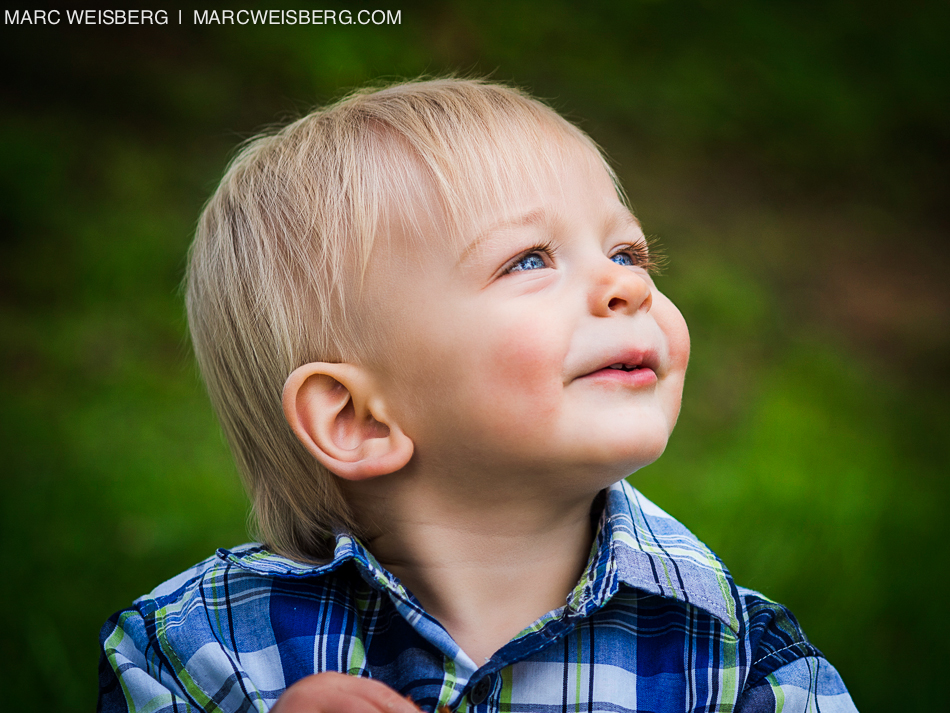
[{"x": 631, "y": 358}]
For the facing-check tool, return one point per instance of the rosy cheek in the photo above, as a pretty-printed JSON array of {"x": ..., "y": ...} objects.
[
  {"x": 523, "y": 370},
  {"x": 679, "y": 347},
  {"x": 674, "y": 328}
]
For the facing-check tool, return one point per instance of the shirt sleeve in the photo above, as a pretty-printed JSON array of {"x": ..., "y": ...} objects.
[
  {"x": 133, "y": 674},
  {"x": 788, "y": 674},
  {"x": 804, "y": 685}
]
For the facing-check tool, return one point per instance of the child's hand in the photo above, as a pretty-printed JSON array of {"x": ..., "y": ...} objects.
[{"x": 338, "y": 693}]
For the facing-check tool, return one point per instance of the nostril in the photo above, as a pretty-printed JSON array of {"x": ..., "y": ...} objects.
[{"x": 616, "y": 303}]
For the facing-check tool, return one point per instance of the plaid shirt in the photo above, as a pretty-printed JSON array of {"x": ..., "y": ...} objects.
[{"x": 655, "y": 624}]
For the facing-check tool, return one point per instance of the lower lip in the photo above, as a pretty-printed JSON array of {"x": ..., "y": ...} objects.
[{"x": 643, "y": 376}]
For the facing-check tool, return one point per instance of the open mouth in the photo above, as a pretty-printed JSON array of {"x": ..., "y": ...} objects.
[
  {"x": 641, "y": 365},
  {"x": 625, "y": 367}
]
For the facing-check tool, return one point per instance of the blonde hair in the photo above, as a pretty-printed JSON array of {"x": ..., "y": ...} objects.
[{"x": 287, "y": 234}]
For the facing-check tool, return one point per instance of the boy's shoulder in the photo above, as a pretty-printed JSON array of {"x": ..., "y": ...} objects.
[
  {"x": 227, "y": 619},
  {"x": 250, "y": 566},
  {"x": 225, "y": 565}
]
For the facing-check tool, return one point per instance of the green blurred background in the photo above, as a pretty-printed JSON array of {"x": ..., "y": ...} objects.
[{"x": 791, "y": 156}]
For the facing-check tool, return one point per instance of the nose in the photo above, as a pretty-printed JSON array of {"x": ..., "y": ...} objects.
[{"x": 620, "y": 290}]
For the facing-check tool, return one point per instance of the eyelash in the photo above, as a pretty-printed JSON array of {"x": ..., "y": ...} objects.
[
  {"x": 646, "y": 254},
  {"x": 546, "y": 248}
]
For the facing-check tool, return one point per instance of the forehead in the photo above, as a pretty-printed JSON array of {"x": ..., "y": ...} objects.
[
  {"x": 498, "y": 187},
  {"x": 582, "y": 191}
]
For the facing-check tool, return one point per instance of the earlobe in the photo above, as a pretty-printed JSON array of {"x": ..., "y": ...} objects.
[{"x": 338, "y": 415}]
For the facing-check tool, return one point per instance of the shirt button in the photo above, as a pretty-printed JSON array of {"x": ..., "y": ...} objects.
[{"x": 480, "y": 691}]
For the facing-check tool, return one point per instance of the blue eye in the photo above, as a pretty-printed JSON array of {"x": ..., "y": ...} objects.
[
  {"x": 623, "y": 259},
  {"x": 531, "y": 261}
]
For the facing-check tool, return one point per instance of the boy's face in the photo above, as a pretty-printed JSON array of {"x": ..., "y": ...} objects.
[{"x": 499, "y": 352}]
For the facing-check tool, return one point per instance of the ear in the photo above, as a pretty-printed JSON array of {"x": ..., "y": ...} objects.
[{"x": 338, "y": 415}]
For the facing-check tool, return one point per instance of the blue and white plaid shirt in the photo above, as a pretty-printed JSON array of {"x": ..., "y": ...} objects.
[{"x": 655, "y": 624}]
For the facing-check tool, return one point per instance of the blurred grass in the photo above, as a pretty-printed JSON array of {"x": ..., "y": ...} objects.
[{"x": 792, "y": 157}]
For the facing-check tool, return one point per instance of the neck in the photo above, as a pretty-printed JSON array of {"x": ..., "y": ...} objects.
[{"x": 485, "y": 567}]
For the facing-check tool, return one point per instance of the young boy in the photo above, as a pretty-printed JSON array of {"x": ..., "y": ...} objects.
[{"x": 426, "y": 320}]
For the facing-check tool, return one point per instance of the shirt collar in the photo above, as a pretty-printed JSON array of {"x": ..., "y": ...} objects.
[
  {"x": 258, "y": 559},
  {"x": 637, "y": 545},
  {"x": 641, "y": 546}
]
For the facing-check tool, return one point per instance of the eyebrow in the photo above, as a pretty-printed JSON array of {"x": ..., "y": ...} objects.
[
  {"x": 617, "y": 220},
  {"x": 533, "y": 218},
  {"x": 621, "y": 219}
]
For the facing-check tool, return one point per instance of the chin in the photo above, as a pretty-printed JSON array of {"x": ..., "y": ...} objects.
[
  {"x": 644, "y": 445},
  {"x": 629, "y": 452}
]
